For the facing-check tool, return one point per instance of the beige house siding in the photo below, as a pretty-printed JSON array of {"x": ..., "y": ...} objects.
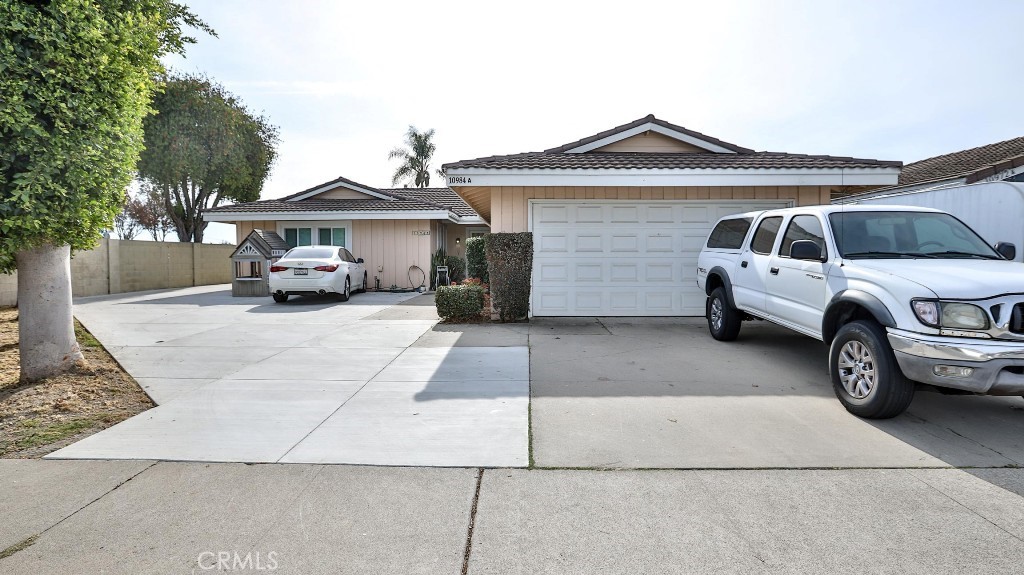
[
  {"x": 392, "y": 245},
  {"x": 342, "y": 194},
  {"x": 651, "y": 142},
  {"x": 243, "y": 229},
  {"x": 510, "y": 205}
]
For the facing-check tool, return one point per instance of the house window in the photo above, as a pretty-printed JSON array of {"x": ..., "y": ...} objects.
[
  {"x": 298, "y": 236},
  {"x": 331, "y": 237},
  {"x": 477, "y": 232}
]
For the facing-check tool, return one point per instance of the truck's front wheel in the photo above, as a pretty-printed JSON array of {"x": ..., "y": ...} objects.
[
  {"x": 723, "y": 320},
  {"x": 865, "y": 375}
]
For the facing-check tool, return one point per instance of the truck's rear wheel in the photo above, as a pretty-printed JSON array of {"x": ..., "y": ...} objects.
[
  {"x": 723, "y": 320},
  {"x": 865, "y": 376}
]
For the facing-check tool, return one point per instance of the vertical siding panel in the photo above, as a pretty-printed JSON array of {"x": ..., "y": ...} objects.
[
  {"x": 646, "y": 194},
  {"x": 506, "y": 210},
  {"x": 518, "y": 209},
  {"x": 825, "y": 194},
  {"x": 808, "y": 195},
  {"x": 496, "y": 218}
]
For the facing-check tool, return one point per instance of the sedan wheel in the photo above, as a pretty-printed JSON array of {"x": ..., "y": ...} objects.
[{"x": 343, "y": 296}]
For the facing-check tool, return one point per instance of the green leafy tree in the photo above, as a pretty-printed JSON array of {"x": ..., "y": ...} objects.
[
  {"x": 415, "y": 157},
  {"x": 76, "y": 79},
  {"x": 204, "y": 147}
]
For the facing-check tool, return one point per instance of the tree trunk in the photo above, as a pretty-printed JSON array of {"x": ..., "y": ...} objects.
[{"x": 46, "y": 327}]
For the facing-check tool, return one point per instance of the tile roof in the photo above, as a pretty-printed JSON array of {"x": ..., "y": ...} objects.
[
  {"x": 741, "y": 158},
  {"x": 445, "y": 197},
  {"x": 643, "y": 160},
  {"x": 273, "y": 240},
  {"x": 328, "y": 205},
  {"x": 984, "y": 159},
  {"x": 396, "y": 199}
]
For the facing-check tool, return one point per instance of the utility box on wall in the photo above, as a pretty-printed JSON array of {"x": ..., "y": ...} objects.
[{"x": 251, "y": 263}]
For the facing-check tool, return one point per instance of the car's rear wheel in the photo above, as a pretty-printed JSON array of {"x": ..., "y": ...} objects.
[
  {"x": 723, "y": 320},
  {"x": 280, "y": 297},
  {"x": 343, "y": 296},
  {"x": 865, "y": 376}
]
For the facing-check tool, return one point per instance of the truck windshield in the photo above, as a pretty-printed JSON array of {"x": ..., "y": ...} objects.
[{"x": 892, "y": 235}]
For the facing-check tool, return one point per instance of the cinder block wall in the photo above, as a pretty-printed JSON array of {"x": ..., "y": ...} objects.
[
  {"x": 117, "y": 266},
  {"x": 9, "y": 289}
]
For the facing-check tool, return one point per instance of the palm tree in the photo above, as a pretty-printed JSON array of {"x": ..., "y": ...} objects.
[{"x": 415, "y": 158}]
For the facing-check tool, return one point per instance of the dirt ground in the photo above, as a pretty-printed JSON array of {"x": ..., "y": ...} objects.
[{"x": 43, "y": 416}]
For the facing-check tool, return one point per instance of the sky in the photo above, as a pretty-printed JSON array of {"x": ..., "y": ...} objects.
[{"x": 343, "y": 80}]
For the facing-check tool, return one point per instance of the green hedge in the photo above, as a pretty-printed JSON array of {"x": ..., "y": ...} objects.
[
  {"x": 456, "y": 268},
  {"x": 461, "y": 302},
  {"x": 509, "y": 266},
  {"x": 476, "y": 257}
]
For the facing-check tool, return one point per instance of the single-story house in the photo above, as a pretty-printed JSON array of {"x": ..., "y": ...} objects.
[
  {"x": 619, "y": 218},
  {"x": 391, "y": 229},
  {"x": 998, "y": 162}
]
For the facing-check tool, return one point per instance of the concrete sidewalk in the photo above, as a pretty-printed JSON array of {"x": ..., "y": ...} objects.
[
  {"x": 170, "y": 518},
  {"x": 309, "y": 381}
]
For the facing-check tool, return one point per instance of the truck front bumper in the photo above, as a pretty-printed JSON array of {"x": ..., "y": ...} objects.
[{"x": 997, "y": 366}]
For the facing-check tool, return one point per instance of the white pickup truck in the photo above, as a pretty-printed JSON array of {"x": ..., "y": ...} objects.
[{"x": 902, "y": 296}]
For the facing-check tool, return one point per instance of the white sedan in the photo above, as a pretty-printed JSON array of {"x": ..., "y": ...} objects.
[{"x": 309, "y": 270}]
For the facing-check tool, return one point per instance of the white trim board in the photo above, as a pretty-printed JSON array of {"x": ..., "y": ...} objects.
[
  {"x": 601, "y": 201},
  {"x": 319, "y": 216},
  {"x": 680, "y": 177},
  {"x": 650, "y": 127}
]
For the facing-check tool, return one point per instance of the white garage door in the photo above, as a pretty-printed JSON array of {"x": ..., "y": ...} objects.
[{"x": 625, "y": 258}]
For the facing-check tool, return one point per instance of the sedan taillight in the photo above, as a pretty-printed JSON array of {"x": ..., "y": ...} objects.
[
  {"x": 330, "y": 268},
  {"x": 277, "y": 268}
]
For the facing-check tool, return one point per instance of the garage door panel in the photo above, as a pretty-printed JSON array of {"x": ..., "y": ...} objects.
[{"x": 606, "y": 258}]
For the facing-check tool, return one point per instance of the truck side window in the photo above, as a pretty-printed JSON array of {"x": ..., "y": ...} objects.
[
  {"x": 803, "y": 227},
  {"x": 729, "y": 234},
  {"x": 764, "y": 237}
]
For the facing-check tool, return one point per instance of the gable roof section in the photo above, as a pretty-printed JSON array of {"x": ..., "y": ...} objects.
[
  {"x": 585, "y": 154},
  {"x": 338, "y": 183},
  {"x": 431, "y": 203},
  {"x": 267, "y": 244},
  {"x": 648, "y": 123},
  {"x": 973, "y": 164}
]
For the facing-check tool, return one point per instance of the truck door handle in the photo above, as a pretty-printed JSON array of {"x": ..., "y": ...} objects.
[
  {"x": 774, "y": 271},
  {"x": 743, "y": 264}
]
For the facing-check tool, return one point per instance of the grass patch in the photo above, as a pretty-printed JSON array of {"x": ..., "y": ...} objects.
[
  {"x": 36, "y": 433},
  {"x": 85, "y": 339},
  {"x": 20, "y": 546}
]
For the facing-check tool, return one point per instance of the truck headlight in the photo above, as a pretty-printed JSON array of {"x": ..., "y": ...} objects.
[
  {"x": 963, "y": 315},
  {"x": 950, "y": 314}
]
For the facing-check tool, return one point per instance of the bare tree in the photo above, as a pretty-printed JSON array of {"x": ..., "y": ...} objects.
[
  {"x": 151, "y": 213},
  {"x": 125, "y": 223}
]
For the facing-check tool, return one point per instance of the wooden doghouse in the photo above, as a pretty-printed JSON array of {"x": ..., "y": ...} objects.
[{"x": 252, "y": 259}]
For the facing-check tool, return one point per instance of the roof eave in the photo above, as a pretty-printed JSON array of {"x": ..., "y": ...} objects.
[{"x": 874, "y": 176}]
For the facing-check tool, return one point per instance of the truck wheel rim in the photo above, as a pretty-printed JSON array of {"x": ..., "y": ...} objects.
[
  {"x": 856, "y": 369},
  {"x": 716, "y": 314}
]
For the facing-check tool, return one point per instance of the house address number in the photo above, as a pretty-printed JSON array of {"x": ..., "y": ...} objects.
[
  {"x": 459, "y": 180},
  {"x": 421, "y": 232}
]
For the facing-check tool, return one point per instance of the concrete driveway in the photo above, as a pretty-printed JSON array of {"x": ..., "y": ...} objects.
[
  {"x": 661, "y": 393},
  {"x": 310, "y": 381}
]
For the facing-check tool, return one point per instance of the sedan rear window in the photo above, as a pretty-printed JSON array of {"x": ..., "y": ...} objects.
[
  {"x": 310, "y": 253},
  {"x": 729, "y": 234}
]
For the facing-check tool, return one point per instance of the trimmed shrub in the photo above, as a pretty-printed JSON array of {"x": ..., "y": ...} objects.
[
  {"x": 476, "y": 257},
  {"x": 459, "y": 303},
  {"x": 509, "y": 267},
  {"x": 456, "y": 269}
]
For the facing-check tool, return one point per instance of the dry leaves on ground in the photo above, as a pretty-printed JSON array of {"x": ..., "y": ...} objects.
[{"x": 43, "y": 416}]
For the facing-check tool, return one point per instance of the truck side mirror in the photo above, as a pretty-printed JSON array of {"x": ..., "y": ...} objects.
[
  {"x": 1007, "y": 250},
  {"x": 359, "y": 261},
  {"x": 805, "y": 250}
]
